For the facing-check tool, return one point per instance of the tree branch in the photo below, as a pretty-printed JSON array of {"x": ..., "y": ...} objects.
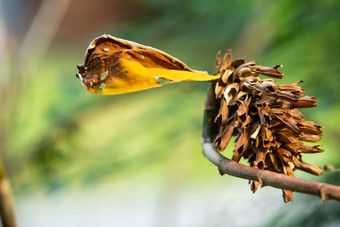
[
  {"x": 6, "y": 207},
  {"x": 264, "y": 177}
]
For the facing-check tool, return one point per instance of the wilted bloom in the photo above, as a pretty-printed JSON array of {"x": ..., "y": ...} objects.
[
  {"x": 264, "y": 118},
  {"x": 116, "y": 66}
]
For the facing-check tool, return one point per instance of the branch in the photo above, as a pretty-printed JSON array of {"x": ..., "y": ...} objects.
[
  {"x": 6, "y": 207},
  {"x": 264, "y": 177}
]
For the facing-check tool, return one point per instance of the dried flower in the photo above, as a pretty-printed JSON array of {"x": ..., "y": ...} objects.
[
  {"x": 264, "y": 118},
  {"x": 116, "y": 66}
]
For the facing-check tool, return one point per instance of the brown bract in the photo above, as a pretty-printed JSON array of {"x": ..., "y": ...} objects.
[
  {"x": 263, "y": 117},
  {"x": 116, "y": 66}
]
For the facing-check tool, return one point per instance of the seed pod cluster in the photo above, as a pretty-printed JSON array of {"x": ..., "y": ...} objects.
[{"x": 263, "y": 117}]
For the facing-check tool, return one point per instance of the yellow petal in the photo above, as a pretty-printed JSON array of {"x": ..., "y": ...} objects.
[{"x": 116, "y": 66}]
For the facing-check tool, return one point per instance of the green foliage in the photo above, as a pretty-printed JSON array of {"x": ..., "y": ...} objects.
[{"x": 63, "y": 136}]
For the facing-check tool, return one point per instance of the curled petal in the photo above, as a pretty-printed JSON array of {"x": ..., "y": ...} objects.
[
  {"x": 269, "y": 71},
  {"x": 305, "y": 102},
  {"x": 294, "y": 88},
  {"x": 313, "y": 169},
  {"x": 309, "y": 127},
  {"x": 287, "y": 195},
  {"x": 116, "y": 66},
  {"x": 310, "y": 149},
  {"x": 231, "y": 92},
  {"x": 226, "y": 61},
  {"x": 310, "y": 138},
  {"x": 217, "y": 65}
]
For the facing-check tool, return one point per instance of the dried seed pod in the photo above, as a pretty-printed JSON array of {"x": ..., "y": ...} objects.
[{"x": 263, "y": 116}]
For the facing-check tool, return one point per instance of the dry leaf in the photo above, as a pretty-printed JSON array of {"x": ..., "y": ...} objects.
[{"x": 116, "y": 66}]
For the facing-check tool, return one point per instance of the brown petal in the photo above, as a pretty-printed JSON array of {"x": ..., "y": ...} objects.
[
  {"x": 219, "y": 88},
  {"x": 309, "y": 127},
  {"x": 289, "y": 171},
  {"x": 226, "y": 136},
  {"x": 217, "y": 63},
  {"x": 310, "y": 149},
  {"x": 241, "y": 143},
  {"x": 287, "y": 95},
  {"x": 254, "y": 130},
  {"x": 242, "y": 96},
  {"x": 236, "y": 63},
  {"x": 278, "y": 111},
  {"x": 236, "y": 158},
  {"x": 267, "y": 88},
  {"x": 296, "y": 114},
  {"x": 231, "y": 92},
  {"x": 238, "y": 69},
  {"x": 242, "y": 111},
  {"x": 292, "y": 147},
  {"x": 254, "y": 186},
  {"x": 260, "y": 159},
  {"x": 263, "y": 114},
  {"x": 287, "y": 195},
  {"x": 284, "y": 152},
  {"x": 226, "y": 60},
  {"x": 313, "y": 169},
  {"x": 310, "y": 138},
  {"x": 294, "y": 88},
  {"x": 246, "y": 72},
  {"x": 275, "y": 162},
  {"x": 296, "y": 161},
  {"x": 269, "y": 71},
  {"x": 222, "y": 113},
  {"x": 227, "y": 74},
  {"x": 267, "y": 137},
  {"x": 290, "y": 124},
  {"x": 305, "y": 102}
]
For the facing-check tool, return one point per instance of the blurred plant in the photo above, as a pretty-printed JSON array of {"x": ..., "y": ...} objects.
[
  {"x": 262, "y": 115},
  {"x": 6, "y": 207}
]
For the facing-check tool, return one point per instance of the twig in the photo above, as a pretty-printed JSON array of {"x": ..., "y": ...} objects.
[
  {"x": 6, "y": 207},
  {"x": 264, "y": 177}
]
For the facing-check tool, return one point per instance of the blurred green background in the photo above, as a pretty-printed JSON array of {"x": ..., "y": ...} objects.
[{"x": 77, "y": 159}]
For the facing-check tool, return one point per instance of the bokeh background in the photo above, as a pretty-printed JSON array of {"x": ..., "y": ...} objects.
[{"x": 77, "y": 159}]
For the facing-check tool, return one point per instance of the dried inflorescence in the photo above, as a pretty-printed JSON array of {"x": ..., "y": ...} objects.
[{"x": 264, "y": 118}]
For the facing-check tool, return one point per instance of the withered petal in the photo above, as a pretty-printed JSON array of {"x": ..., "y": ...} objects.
[
  {"x": 222, "y": 113},
  {"x": 236, "y": 63},
  {"x": 241, "y": 144},
  {"x": 238, "y": 69},
  {"x": 290, "y": 124},
  {"x": 217, "y": 63},
  {"x": 309, "y": 127},
  {"x": 231, "y": 92},
  {"x": 296, "y": 114},
  {"x": 305, "y": 102},
  {"x": 310, "y": 149},
  {"x": 226, "y": 60},
  {"x": 269, "y": 71},
  {"x": 226, "y": 136},
  {"x": 309, "y": 137},
  {"x": 294, "y": 88},
  {"x": 287, "y": 195},
  {"x": 313, "y": 169}
]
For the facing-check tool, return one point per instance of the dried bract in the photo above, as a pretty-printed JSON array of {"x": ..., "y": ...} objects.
[
  {"x": 264, "y": 118},
  {"x": 116, "y": 66}
]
